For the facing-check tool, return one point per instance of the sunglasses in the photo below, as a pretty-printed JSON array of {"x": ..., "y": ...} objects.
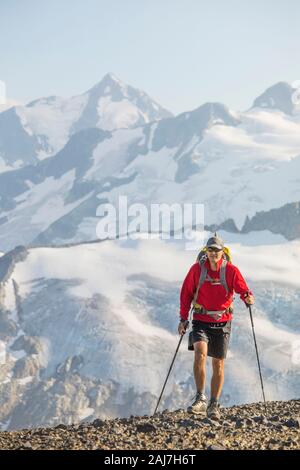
[{"x": 215, "y": 250}]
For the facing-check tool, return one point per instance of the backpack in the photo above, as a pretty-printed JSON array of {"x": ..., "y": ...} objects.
[{"x": 201, "y": 258}]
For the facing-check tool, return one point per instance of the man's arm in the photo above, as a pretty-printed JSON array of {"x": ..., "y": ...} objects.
[
  {"x": 240, "y": 287},
  {"x": 188, "y": 290}
]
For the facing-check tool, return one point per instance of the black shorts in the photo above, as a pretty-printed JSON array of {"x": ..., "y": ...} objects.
[{"x": 216, "y": 335}]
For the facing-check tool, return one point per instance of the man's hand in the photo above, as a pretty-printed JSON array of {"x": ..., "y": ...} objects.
[
  {"x": 249, "y": 299},
  {"x": 182, "y": 327}
]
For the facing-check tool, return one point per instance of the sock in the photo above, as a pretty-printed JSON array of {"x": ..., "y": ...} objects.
[
  {"x": 202, "y": 395},
  {"x": 214, "y": 400}
]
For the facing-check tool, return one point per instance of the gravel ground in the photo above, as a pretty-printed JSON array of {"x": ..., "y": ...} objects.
[{"x": 240, "y": 427}]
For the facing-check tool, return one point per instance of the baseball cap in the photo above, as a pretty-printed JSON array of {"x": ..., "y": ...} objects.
[{"x": 215, "y": 242}]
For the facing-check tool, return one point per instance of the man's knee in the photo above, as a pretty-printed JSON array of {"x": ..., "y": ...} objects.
[
  {"x": 200, "y": 349},
  {"x": 218, "y": 365}
]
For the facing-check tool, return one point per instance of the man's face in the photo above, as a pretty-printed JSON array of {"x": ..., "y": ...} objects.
[{"x": 214, "y": 254}]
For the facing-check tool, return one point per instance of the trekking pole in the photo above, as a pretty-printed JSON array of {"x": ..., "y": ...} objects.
[
  {"x": 261, "y": 380},
  {"x": 178, "y": 346}
]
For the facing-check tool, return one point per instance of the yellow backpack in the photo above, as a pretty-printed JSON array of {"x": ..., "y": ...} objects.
[{"x": 203, "y": 254}]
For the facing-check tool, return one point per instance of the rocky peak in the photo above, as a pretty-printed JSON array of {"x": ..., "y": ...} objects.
[{"x": 280, "y": 96}]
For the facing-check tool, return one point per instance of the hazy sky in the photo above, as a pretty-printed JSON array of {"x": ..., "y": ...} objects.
[{"x": 181, "y": 52}]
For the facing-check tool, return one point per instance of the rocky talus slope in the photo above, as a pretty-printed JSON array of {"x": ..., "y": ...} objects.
[{"x": 240, "y": 427}]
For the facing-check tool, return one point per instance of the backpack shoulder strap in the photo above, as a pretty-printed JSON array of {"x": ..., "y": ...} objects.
[
  {"x": 223, "y": 275},
  {"x": 202, "y": 277}
]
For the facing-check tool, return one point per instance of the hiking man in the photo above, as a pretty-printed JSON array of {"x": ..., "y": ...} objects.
[{"x": 210, "y": 284}]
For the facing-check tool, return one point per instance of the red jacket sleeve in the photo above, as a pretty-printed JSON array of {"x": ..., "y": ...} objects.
[
  {"x": 188, "y": 289},
  {"x": 239, "y": 284}
]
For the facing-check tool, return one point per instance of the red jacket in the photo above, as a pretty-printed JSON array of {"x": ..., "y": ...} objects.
[{"x": 211, "y": 297}]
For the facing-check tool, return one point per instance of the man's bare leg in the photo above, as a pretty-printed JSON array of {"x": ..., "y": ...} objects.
[
  {"x": 200, "y": 348},
  {"x": 200, "y": 404},
  {"x": 217, "y": 379}
]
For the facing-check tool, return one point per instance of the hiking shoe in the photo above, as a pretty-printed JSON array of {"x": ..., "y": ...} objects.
[
  {"x": 213, "y": 409},
  {"x": 200, "y": 404}
]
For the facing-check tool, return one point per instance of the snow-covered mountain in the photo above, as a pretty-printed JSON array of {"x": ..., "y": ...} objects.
[
  {"x": 241, "y": 166},
  {"x": 41, "y": 128},
  {"x": 90, "y": 330}
]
